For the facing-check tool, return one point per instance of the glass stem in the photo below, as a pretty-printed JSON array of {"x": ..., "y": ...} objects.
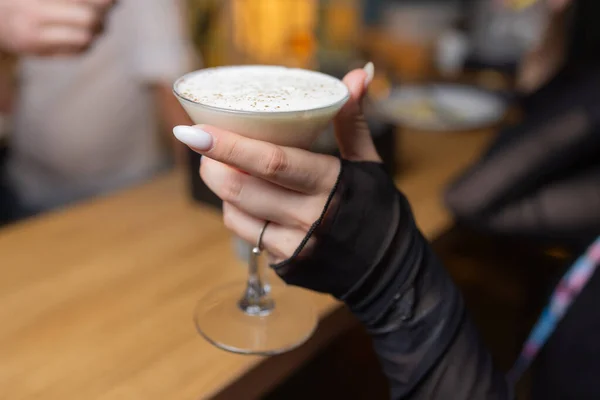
[{"x": 256, "y": 300}]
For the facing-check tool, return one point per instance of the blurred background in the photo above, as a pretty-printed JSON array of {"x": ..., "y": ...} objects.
[{"x": 479, "y": 44}]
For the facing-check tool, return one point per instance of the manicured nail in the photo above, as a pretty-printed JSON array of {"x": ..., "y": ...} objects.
[
  {"x": 194, "y": 137},
  {"x": 370, "y": 70}
]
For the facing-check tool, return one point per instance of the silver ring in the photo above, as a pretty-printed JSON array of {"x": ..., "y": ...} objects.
[{"x": 258, "y": 248}]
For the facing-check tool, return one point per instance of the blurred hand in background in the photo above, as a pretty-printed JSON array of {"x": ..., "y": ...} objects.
[{"x": 48, "y": 27}]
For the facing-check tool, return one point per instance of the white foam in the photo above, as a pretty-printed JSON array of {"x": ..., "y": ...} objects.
[{"x": 262, "y": 88}]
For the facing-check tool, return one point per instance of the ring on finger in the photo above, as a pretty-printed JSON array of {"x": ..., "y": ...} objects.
[{"x": 259, "y": 248}]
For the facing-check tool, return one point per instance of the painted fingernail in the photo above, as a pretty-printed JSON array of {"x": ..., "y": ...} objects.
[
  {"x": 194, "y": 137},
  {"x": 370, "y": 70}
]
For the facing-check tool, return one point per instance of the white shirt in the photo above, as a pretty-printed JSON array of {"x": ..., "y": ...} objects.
[{"x": 88, "y": 124}]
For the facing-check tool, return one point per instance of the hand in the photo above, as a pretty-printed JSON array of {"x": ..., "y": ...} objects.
[
  {"x": 284, "y": 185},
  {"x": 47, "y": 27}
]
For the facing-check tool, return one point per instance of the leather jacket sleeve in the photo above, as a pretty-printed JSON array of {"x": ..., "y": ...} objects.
[{"x": 370, "y": 254}]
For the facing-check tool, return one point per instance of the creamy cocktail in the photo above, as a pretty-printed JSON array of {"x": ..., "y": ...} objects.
[{"x": 286, "y": 106}]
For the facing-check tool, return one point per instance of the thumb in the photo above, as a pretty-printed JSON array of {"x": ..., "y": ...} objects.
[{"x": 351, "y": 130}]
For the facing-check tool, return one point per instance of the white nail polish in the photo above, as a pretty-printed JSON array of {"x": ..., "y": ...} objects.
[
  {"x": 194, "y": 137},
  {"x": 370, "y": 70}
]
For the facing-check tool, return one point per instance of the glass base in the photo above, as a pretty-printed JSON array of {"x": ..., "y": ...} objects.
[{"x": 221, "y": 320}]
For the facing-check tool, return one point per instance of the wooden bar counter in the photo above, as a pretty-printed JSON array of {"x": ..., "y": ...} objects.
[{"x": 96, "y": 301}]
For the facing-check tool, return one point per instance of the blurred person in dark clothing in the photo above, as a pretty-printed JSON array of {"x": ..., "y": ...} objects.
[
  {"x": 76, "y": 129},
  {"x": 540, "y": 181},
  {"x": 541, "y": 178}
]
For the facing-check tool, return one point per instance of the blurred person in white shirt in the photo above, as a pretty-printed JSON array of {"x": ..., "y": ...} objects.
[{"x": 88, "y": 124}]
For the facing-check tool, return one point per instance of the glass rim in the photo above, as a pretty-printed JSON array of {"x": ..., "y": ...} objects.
[{"x": 338, "y": 103}]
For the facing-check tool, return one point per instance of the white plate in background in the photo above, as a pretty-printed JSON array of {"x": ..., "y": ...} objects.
[{"x": 442, "y": 107}]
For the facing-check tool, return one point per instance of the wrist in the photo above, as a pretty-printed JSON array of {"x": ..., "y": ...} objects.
[{"x": 351, "y": 241}]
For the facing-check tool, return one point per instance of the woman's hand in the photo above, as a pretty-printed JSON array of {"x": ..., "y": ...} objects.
[
  {"x": 287, "y": 186},
  {"x": 47, "y": 27}
]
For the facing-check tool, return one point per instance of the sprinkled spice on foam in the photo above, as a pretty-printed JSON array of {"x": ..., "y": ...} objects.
[{"x": 272, "y": 89}]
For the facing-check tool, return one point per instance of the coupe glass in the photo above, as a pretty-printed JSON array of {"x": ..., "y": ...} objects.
[{"x": 252, "y": 317}]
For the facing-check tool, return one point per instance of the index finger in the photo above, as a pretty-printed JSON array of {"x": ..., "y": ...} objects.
[{"x": 294, "y": 169}]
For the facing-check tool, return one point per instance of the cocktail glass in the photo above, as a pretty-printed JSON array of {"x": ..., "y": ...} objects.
[{"x": 251, "y": 317}]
